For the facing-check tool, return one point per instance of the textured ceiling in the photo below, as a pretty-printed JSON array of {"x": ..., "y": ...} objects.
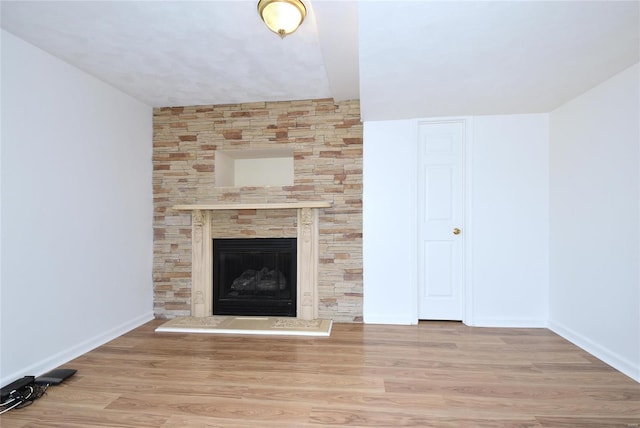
[
  {"x": 458, "y": 58},
  {"x": 402, "y": 59},
  {"x": 176, "y": 53}
]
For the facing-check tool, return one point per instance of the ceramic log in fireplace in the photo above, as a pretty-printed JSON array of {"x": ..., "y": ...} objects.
[{"x": 254, "y": 277}]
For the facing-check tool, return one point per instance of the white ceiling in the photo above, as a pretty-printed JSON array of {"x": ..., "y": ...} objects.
[{"x": 402, "y": 59}]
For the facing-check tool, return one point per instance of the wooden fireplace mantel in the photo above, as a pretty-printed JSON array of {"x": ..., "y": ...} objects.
[
  {"x": 254, "y": 206},
  {"x": 202, "y": 253}
]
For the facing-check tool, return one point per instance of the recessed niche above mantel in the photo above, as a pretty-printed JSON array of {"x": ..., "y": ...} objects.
[{"x": 260, "y": 167}]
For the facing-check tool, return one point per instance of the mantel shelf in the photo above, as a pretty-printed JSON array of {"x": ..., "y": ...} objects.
[{"x": 254, "y": 206}]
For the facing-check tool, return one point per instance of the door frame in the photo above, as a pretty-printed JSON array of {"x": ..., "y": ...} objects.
[{"x": 467, "y": 229}]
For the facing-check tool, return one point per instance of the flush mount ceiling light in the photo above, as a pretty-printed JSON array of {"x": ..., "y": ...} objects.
[{"x": 282, "y": 16}]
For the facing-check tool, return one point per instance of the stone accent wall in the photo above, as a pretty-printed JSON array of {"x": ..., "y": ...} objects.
[{"x": 326, "y": 138}]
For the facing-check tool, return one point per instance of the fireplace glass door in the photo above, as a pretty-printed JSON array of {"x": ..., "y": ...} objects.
[{"x": 255, "y": 277}]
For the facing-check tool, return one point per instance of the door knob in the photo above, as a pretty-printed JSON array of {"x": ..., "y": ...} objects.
[{"x": 456, "y": 231}]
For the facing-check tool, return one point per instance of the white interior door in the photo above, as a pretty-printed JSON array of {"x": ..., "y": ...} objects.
[{"x": 440, "y": 231}]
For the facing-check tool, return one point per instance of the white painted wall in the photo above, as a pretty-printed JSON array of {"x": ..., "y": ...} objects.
[
  {"x": 224, "y": 170},
  {"x": 390, "y": 174},
  {"x": 508, "y": 273},
  {"x": 509, "y": 220},
  {"x": 264, "y": 172},
  {"x": 76, "y": 212},
  {"x": 595, "y": 221}
]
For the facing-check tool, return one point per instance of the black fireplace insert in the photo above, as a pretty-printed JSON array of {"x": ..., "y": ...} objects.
[{"x": 254, "y": 277}]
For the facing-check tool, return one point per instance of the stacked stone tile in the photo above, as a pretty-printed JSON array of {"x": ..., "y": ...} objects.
[{"x": 326, "y": 138}]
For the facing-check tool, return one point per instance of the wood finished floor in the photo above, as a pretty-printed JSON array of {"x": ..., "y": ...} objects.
[{"x": 436, "y": 374}]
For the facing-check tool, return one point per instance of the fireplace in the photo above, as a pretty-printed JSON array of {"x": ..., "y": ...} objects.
[
  {"x": 254, "y": 276},
  {"x": 307, "y": 260}
]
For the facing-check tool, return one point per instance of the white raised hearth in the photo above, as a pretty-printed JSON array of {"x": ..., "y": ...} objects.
[{"x": 202, "y": 253}]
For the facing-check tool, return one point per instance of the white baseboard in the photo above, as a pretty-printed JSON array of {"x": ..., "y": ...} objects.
[
  {"x": 389, "y": 319},
  {"x": 67, "y": 355},
  {"x": 477, "y": 322},
  {"x": 508, "y": 322},
  {"x": 618, "y": 362}
]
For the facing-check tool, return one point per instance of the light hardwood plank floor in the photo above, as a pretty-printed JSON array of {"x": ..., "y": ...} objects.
[{"x": 436, "y": 374}]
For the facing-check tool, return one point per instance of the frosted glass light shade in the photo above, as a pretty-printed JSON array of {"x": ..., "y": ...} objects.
[{"x": 282, "y": 16}]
